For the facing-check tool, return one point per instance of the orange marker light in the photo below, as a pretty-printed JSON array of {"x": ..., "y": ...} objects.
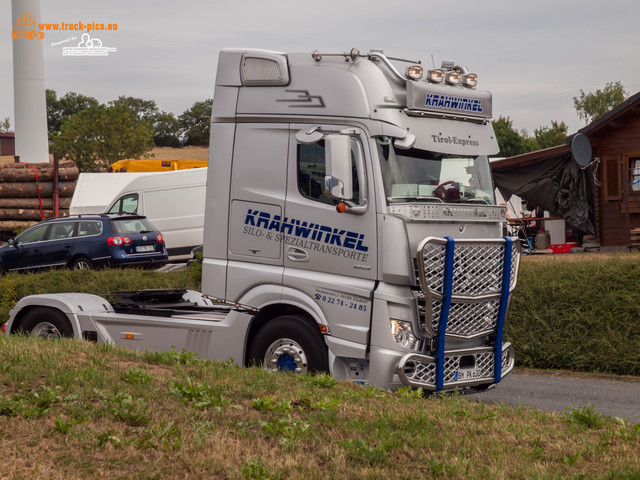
[
  {"x": 323, "y": 328},
  {"x": 129, "y": 336},
  {"x": 341, "y": 207}
]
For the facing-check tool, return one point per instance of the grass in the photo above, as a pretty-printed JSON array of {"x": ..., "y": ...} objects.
[
  {"x": 73, "y": 409},
  {"x": 14, "y": 286},
  {"x": 572, "y": 312},
  {"x": 182, "y": 153},
  {"x": 577, "y": 312}
]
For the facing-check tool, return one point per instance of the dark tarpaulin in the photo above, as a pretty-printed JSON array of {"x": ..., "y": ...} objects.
[{"x": 556, "y": 184}]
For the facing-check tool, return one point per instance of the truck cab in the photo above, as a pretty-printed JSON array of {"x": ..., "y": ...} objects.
[{"x": 350, "y": 203}]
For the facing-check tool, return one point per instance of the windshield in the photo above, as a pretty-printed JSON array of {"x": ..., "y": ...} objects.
[{"x": 419, "y": 175}]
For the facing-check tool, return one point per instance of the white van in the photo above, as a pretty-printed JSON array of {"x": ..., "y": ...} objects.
[{"x": 173, "y": 201}]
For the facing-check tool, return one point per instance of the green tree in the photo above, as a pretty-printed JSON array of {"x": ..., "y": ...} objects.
[
  {"x": 59, "y": 110},
  {"x": 509, "y": 140},
  {"x": 165, "y": 125},
  {"x": 167, "y": 130},
  {"x": 5, "y": 125},
  {"x": 552, "y": 136},
  {"x": 529, "y": 144},
  {"x": 142, "y": 109},
  {"x": 100, "y": 135},
  {"x": 196, "y": 122},
  {"x": 592, "y": 105}
]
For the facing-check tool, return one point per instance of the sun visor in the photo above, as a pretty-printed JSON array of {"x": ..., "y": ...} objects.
[{"x": 452, "y": 136}]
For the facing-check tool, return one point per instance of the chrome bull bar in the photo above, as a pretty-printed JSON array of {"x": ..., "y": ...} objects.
[
  {"x": 462, "y": 368},
  {"x": 467, "y": 285}
]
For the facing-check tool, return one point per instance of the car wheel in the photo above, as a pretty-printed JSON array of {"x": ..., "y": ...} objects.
[
  {"x": 46, "y": 322},
  {"x": 82, "y": 263},
  {"x": 289, "y": 344}
]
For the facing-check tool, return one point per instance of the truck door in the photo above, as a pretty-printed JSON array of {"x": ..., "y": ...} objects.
[
  {"x": 330, "y": 256},
  {"x": 258, "y": 185}
]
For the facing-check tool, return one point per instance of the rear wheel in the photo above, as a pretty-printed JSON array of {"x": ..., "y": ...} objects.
[
  {"x": 82, "y": 263},
  {"x": 46, "y": 323},
  {"x": 289, "y": 344}
]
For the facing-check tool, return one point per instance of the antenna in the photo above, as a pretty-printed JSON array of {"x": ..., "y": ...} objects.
[{"x": 432, "y": 61}]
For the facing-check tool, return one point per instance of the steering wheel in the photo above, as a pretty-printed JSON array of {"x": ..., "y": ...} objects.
[{"x": 449, "y": 190}]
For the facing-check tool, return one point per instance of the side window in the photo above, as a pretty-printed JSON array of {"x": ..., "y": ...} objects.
[
  {"x": 35, "y": 234},
  {"x": 635, "y": 174},
  {"x": 86, "y": 228},
  {"x": 125, "y": 204},
  {"x": 312, "y": 170},
  {"x": 61, "y": 230}
]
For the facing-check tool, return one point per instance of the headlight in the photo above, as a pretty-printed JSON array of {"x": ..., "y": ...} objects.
[{"x": 402, "y": 333}]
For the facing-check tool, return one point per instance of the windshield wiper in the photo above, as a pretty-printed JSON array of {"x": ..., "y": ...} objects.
[{"x": 407, "y": 199}]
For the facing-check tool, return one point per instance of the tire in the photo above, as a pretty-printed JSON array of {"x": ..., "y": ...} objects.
[
  {"x": 46, "y": 323},
  {"x": 289, "y": 344},
  {"x": 82, "y": 263}
]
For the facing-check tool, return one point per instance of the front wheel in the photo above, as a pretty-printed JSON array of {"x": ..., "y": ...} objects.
[
  {"x": 46, "y": 323},
  {"x": 289, "y": 344}
]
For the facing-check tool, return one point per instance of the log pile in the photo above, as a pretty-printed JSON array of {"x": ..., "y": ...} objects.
[{"x": 25, "y": 201}]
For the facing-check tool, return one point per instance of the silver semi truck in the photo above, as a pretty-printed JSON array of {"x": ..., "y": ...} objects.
[{"x": 350, "y": 227}]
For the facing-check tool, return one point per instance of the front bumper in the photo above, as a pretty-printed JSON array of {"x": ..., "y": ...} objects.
[{"x": 462, "y": 368}]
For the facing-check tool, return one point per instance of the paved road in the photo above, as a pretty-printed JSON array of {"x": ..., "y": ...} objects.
[
  {"x": 554, "y": 392},
  {"x": 172, "y": 267}
]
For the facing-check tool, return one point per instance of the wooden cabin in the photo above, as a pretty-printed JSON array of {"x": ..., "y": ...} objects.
[{"x": 615, "y": 142}]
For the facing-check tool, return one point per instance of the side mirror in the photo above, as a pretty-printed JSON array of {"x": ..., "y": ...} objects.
[
  {"x": 338, "y": 182},
  {"x": 12, "y": 241}
]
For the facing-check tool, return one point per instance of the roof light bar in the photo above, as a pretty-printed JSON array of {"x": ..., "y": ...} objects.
[
  {"x": 453, "y": 78},
  {"x": 414, "y": 72},
  {"x": 435, "y": 76},
  {"x": 470, "y": 80}
]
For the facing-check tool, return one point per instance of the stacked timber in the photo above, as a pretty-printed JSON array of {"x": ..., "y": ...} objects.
[
  {"x": 634, "y": 235},
  {"x": 27, "y": 193}
]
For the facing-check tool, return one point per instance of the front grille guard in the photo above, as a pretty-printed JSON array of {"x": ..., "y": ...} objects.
[
  {"x": 467, "y": 284},
  {"x": 421, "y": 371}
]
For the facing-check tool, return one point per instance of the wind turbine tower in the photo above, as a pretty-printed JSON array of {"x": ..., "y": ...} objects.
[{"x": 30, "y": 109}]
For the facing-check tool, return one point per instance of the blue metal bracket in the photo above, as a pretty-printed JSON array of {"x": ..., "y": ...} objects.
[
  {"x": 447, "y": 292},
  {"x": 504, "y": 302}
]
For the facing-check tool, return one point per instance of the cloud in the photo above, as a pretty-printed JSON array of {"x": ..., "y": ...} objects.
[{"x": 533, "y": 57}]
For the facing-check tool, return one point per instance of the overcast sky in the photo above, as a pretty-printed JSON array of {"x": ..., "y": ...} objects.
[{"x": 533, "y": 56}]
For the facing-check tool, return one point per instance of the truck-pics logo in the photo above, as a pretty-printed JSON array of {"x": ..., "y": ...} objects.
[
  {"x": 26, "y": 27},
  {"x": 312, "y": 236},
  {"x": 88, "y": 47},
  {"x": 454, "y": 103}
]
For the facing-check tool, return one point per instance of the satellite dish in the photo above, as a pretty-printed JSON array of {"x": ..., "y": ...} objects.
[{"x": 581, "y": 149}]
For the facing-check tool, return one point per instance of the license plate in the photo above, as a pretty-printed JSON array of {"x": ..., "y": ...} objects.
[
  {"x": 145, "y": 248},
  {"x": 468, "y": 374}
]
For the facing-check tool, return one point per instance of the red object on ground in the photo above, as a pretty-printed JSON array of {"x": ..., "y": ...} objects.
[{"x": 562, "y": 247}]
